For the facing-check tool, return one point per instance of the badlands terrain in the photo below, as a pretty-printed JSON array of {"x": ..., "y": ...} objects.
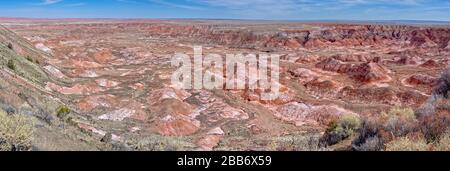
[{"x": 106, "y": 85}]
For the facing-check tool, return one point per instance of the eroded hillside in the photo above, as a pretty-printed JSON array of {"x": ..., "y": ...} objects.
[{"x": 115, "y": 77}]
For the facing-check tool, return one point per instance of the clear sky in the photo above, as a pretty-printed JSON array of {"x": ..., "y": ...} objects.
[{"x": 232, "y": 9}]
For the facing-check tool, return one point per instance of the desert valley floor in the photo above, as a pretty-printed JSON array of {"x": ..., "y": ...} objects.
[{"x": 115, "y": 77}]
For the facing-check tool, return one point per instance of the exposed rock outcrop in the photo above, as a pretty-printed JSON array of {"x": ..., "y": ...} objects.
[{"x": 369, "y": 72}]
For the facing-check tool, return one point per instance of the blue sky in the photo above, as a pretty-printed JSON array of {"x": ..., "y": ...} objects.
[{"x": 232, "y": 9}]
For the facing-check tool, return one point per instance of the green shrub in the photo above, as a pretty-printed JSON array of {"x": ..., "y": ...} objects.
[
  {"x": 10, "y": 46},
  {"x": 29, "y": 58},
  {"x": 15, "y": 132},
  {"x": 344, "y": 127},
  {"x": 406, "y": 144},
  {"x": 62, "y": 111},
  {"x": 11, "y": 65},
  {"x": 349, "y": 122}
]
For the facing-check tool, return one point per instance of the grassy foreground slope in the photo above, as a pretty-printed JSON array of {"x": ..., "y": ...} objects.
[{"x": 24, "y": 101}]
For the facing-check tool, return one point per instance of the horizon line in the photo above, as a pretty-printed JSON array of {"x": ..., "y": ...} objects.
[{"x": 350, "y": 21}]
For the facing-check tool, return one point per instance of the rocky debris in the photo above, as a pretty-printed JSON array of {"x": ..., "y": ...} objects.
[
  {"x": 412, "y": 98},
  {"x": 382, "y": 95},
  {"x": 78, "y": 89},
  {"x": 320, "y": 87},
  {"x": 211, "y": 139},
  {"x": 225, "y": 111},
  {"x": 285, "y": 95},
  {"x": 407, "y": 60},
  {"x": 177, "y": 118},
  {"x": 84, "y": 64},
  {"x": 292, "y": 44},
  {"x": 172, "y": 106},
  {"x": 177, "y": 125},
  {"x": 90, "y": 128},
  {"x": 303, "y": 75},
  {"x": 55, "y": 72},
  {"x": 137, "y": 86},
  {"x": 170, "y": 100},
  {"x": 135, "y": 129},
  {"x": 369, "y": 73},
  {"x": 430, "y": 64},
  {"x": 315, "y": 43},
  {"x": 233, "y": 113},
  {"x": 216, "y": 131},
  {"x": 167, "y": 93},
  {"x": 446, "y": 62},
  {"x": 107, "y": 83},
  {"x": 91, "y": 102},
  {"x": 421, "y": 79},
  {"x": 334, "y": 65},
  {"x": 301, "y": 113},
  {"x": 118, "y": 115},
  {"x": 107, "y": 138},
  {"x": 331, "y": 35},
  {"x": 209, "y": 142},
  {"x": 352, "y": 58},
  {"x": 305, "y": 59},
  {"x": 86, "y": 73},
  {"x": 103, "y": 56},
  {"x": 44, "y": 48}
]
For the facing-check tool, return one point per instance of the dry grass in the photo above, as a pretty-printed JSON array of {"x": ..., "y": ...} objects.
[
  {"x": 407, "y": 144},
  {"x": 376, "y": 131},
  {"x": 344, "y": 127},
  {"x": 306, "y": 142},
  {"x": 161, "y": 143},
  {"x": 15, "y": 132},
  {"x": 406, "y": 113},
  {"x": 444, "y": 142}
]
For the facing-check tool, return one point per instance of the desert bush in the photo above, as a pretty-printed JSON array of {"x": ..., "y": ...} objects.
[
  {"x": 406, "y": 113},
  {"x": 443, "y": 145},
  {"x": 11, "y": 65},
  {"x": 378, "y": 130},
  {"x": 306, "y": 142},
  {"x": 44, "y": 116},
  {"x": 10, "y": 46},
  {"x": 434, "y": 126},
  {"x": 62, "y": 111},
  {"x": 341, "y": 129},
  {"x": 29, "y": 58},
  {"x": 160, "y": 143},
  {"x": 399, "y": 122},
  {"x": 371, "y": 144},
  {"x": 369, "y": 138},
  {"x": 15, "y": 132},
  {"x": 407, "y": 144}
]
